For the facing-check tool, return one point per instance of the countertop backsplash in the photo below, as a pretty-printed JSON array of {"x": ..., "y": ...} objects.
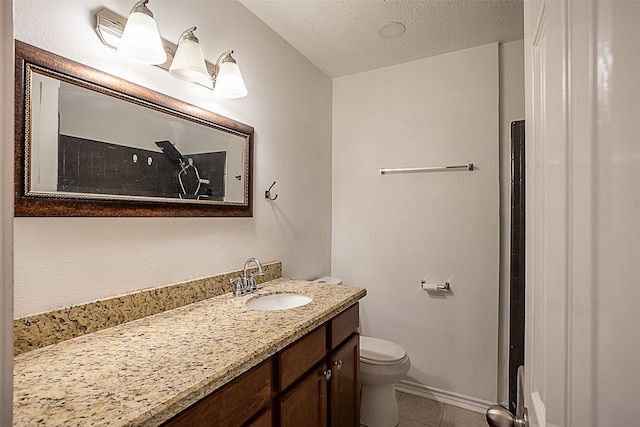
[{"x": 43, "y": 329}]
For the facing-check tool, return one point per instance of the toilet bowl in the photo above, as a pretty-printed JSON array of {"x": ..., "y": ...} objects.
[{"x": 382, "y": 364}]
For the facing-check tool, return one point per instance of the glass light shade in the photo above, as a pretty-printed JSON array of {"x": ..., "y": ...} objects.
[
  {"x": 141, "y": 40},
  {"x": 188, "y": 63},
  {"x": 229, "y": 81}
]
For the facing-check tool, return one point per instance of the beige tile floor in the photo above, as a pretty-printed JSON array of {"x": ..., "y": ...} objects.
[{"x": 418, "y": 412}]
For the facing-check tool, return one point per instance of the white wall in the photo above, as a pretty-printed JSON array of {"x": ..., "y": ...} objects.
[
  {"x": 63, "y": 261},
  {"x": 391, "y": 231}
]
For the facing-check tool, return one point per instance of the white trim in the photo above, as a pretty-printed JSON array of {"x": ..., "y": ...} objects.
[
  {"x": 582, "y": 88},
  {"x": 443, "y": 396},
  {"x": 6, "y": 213}
]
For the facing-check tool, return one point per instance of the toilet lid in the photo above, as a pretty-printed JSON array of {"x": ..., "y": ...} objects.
[{"x": 380, "y": 352}]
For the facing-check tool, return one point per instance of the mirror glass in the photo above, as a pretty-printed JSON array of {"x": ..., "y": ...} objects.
[
  {"x": 114, "y": 142},
  {"x": 86, "y": 142}
]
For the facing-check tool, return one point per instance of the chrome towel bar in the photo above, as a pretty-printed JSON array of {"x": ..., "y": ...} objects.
[{"x": 468, "y": 167}]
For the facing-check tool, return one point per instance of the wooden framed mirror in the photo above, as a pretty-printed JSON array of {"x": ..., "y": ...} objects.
[{"x": 91, "y": 144}]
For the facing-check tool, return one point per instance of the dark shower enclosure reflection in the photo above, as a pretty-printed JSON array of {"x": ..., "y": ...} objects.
[{"x": 96, "y": 167}]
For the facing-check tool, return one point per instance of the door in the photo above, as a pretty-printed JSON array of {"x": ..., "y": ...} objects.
[
  {"x": 548, "y": 213},
  {"x": 583, "y": 202}
]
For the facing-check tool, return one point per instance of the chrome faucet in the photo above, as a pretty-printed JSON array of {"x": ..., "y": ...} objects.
[
  {"x": 251, "y": 280},
  {"x": 247, "y": 283}
]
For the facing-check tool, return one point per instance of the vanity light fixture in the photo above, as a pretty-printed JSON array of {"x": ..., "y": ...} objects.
[
  {"x": 184, "y": 61},
  {"x": 140, "y": 39},
  {"x": 188, "y": 64},
  {"x": 228, "y": 81}
]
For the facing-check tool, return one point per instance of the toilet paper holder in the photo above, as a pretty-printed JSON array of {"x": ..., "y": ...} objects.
[{"x": 435, "y": 287}]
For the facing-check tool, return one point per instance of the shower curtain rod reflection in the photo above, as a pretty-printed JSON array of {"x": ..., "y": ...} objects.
[{"x": 468, "y": 167}]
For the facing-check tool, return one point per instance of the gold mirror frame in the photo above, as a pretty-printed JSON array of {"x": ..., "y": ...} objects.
[{"x": 29, "y": 203}]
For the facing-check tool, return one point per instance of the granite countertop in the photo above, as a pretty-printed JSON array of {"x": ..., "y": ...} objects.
[{"x": 144, "y": 372}]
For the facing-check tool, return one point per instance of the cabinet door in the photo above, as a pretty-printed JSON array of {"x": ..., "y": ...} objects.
[
  {"x": 306, "y": 403},
  {"x": 234, "y": 404},
  {"x": 344, "y": 404},
  {"x": 343, "y": 325},
  {"x": 301, "y": 356},
  {"x": 264, "y": 420}
]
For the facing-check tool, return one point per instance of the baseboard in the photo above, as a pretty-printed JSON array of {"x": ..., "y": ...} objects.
[{"x": 443, "y": 396}]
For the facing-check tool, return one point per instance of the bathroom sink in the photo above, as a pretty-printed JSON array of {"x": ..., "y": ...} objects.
[{"x": 278, "y": 302}]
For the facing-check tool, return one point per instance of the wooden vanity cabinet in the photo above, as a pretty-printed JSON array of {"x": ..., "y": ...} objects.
[
  {"x": 306, "y": 403},
  {"x": 329, "y": 394},
  {"x": 235, "y": 404},
  {"x": 344, "y": 392},
  {"x": 314, "y": 382},
  {"x": 344, "y": 362},
  {"x": 262, "y": 420},
  {"x": 295, "y": 360}
]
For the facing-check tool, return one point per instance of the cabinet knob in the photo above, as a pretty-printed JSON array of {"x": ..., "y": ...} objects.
[
  {"x": 338, "y": 364},
  {"x": 327, "y": 374}
]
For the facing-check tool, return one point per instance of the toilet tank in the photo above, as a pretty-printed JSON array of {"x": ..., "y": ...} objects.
[{"x": 330, "y": 280}]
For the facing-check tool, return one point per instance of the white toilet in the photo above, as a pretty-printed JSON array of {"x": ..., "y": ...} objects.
[{"x": 382, "y": 364}]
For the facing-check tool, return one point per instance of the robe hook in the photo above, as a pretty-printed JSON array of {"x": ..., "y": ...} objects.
[{"x": 267, "y": 193}]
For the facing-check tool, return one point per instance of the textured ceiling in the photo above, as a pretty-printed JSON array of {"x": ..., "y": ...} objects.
[{"x": 341, "y": 36}]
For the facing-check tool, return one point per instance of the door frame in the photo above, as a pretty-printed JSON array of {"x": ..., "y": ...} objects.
[{"x": 6, "y": 213}]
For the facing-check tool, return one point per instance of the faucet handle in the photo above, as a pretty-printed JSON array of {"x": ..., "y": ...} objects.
[
  {"x": 251, "y": 285},
  {"x": 240, "y": 287}
]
